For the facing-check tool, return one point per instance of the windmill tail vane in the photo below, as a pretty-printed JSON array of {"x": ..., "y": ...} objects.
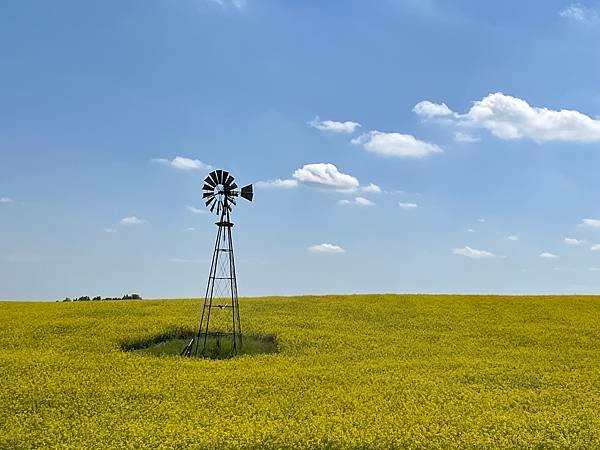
[{"x": 220, "y": 328}]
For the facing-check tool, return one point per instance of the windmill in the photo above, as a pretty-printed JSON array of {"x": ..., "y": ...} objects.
[{"x": 220, "y": 327}]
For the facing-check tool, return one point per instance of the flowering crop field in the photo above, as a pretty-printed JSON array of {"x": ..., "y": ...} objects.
[{"x": 364, "y": 371}]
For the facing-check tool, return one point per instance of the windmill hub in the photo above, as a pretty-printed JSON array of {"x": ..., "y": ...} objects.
[{"x": 220, "y": 328}]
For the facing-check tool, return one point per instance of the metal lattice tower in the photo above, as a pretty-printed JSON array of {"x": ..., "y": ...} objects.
[{"x": 220, "y": 325}]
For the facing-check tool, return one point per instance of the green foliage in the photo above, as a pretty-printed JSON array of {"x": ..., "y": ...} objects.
[
  {"x": 378, "y": 371},
  {"x": 97, "y": 298},
  {"x": 172, "y": 344}
]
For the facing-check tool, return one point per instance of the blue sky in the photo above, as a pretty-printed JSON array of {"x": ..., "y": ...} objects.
[{"x": 398, "y": 146}]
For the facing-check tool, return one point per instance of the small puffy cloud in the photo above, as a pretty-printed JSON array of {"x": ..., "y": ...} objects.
[
  {"x": 513, "y": 237},
  {"x": 481, "y": 220},
  {"x": 548, "y": 255},
  {"x": 325, "y": 176},
  {"x": 6, "y": 200},
  {"x": 110, "y": 230},
  {"x": 473, "y": 253},
  {"x": 460, "y": 136},
  {"x": 396, "y": 144},
  {"x": 430, "y": 110},
  {"x": 471, "y": 230},
  {"x": 195, "y": 210},
  {"x": 510, "y": 118},
  {"x": 326, "y": 248},
  {"x": 371, "y": 189},
  {"x": 594, "y": 223},
  {"x": 579, "y": 13},
  {"x": 190, "y": 229},
  {"x": 131, "y": 220},
  {"x": 181, "y": 163},
  {"x": 407, "y": 205},
  {"x": 333, "y": 126},
  {"x": 278, "y": 183},
  {"x": 237, "y": 4},
  {"x": 358, "y": 201},
  {"x": 595, "y": 248},
  {"x": 574, "y": 242}
]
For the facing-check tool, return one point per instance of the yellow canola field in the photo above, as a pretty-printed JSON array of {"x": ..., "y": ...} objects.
[{"x": 376, "y": 371}]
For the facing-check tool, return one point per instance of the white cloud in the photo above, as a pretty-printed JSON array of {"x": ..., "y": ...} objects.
[
  {"x": 395, "y": 144},
  {"x": 278, "y": 183},
  {"x": 110, "y": 230},
  {"x": 325, "y": 176},
  {"x": 548, "y": 255},
  {"x": 471, "y": 230},
  {"x": 320, "y": 175},
  {"x": 512, "y": 237},
  {"x": 510, "y": 118},
  {"x": 408, "y": 205},
  {"x": 195, "y": 210},
  {"x": 371, "y": 189},
  {"x": 181, "y": 163},
  {"x": 333, "y": 126},
  {"x": 326, "y": 248},
  {"x": 238, "y": 4},
  {"x": 594, "y": 269},
  {"x": 579, "y": 13},
  {"x": 594, "y": 223},
  {"x": 358, "y": 201},
  {"x": 460, "y": 136},
  {"x": 190, "y": 229},
  {"x": 595, "y": 248},
  {"x": 430, "y": 110},
  {"x": 6, "y": 200},
  {"x": 132, "y": 220},
  {"x": 473, "y": 253},
  {"x": 481, "y": 220},
  {"x": 572, "y": 241}
]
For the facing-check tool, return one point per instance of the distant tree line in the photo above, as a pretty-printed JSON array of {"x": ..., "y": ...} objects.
[{"x": 86, "y": 298}]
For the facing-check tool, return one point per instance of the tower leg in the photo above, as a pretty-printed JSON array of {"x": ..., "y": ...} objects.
[
  {"x": 207, "y": 306},
  {"x": 222, "y": 282}
]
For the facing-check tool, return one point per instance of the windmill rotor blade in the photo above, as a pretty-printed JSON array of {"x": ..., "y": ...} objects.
[
  {"x": 247, "y": 192},
  {"x": 209, "y": 201},
  {"x": 209, "y": 181},
  {"x": 224, "y": 177},
  {"x": 207, "y": 187},
  {"x": 229, "y": 179},
  {"x": 220, "y": 176},
  {"x": 230, "y": 199},
  {"x": 208, "y": 194},
  {"x": 213, "y": 206},
  {"x": 213, "y": 176},
  {"x": 233, "y": 186}
]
